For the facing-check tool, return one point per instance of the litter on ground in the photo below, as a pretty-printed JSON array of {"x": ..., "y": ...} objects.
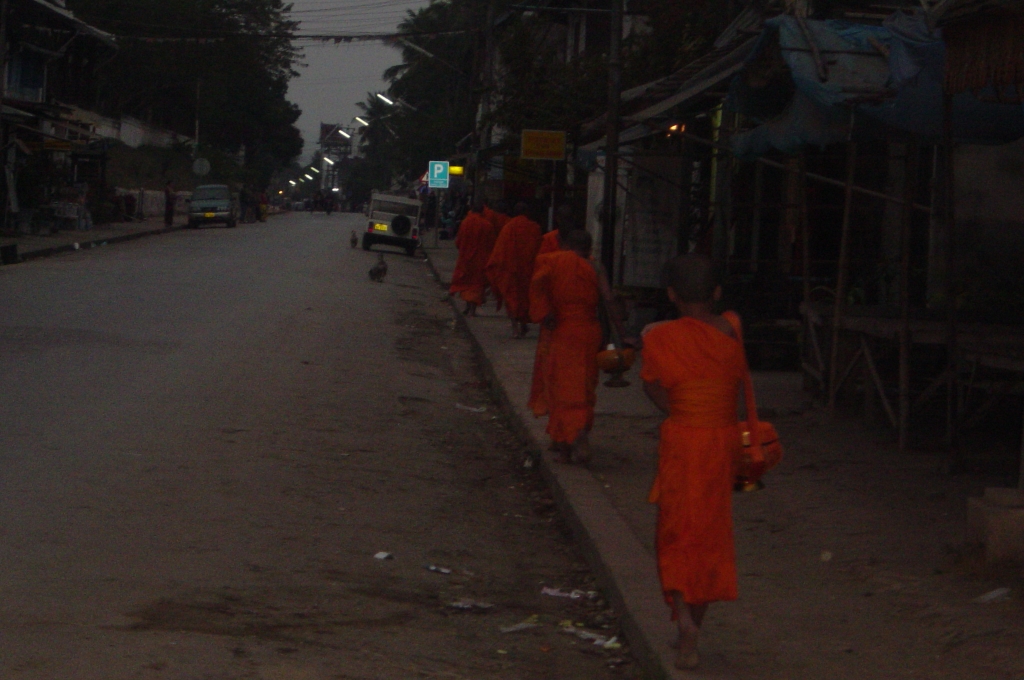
[
  {"x": 466, "y": 604},
  {"x": 997, "y": 595}
]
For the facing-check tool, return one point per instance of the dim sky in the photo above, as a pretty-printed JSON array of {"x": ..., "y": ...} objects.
[{"x": 336, "y": 77}]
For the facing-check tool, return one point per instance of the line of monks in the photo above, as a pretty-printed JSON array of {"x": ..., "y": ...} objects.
[{"x": 693, "y": 369}]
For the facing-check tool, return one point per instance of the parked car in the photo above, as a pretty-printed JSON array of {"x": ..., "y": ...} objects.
[
  {"x": 212, "y": 204},
  {"x": 393, "y": 221}
]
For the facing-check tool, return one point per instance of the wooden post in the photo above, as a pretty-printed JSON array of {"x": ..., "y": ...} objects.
[
  {"x": 909, "y": 191},
  {"x": 841, "y": 275},
  {"x": 755, "y": 222},
  {"x": 952, "y": 272},
  {"x": 805, "y": 228}
]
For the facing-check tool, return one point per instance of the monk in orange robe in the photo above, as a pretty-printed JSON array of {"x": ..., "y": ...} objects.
[
  {"x": 693, "y": 369},
  {"x": 475, "y": 240},
  {"x": 564, "y": 223},
  {"x": 497, "y": 218},
  {"x": 551, "y": 243},
  {"x": 511, "y": 267},
  {"x": 564, "y": 296}
]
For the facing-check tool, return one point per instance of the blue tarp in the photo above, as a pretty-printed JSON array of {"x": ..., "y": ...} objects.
[{"x": 901, "y": 89}]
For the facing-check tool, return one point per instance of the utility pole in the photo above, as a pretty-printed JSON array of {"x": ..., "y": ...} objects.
[
  {"x": 199, "y": 85},
  {"x": 7, "y": 155},
  {"x": 487, "y": 78},
  {"x": 611, "y": 157}
]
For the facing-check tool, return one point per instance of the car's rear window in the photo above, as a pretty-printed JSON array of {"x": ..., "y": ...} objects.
[
  {"x": 211, "y": 194},
  {"x": 394, "y": 208}
]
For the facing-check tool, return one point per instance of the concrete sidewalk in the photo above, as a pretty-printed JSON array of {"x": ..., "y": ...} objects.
[
  {"x": 32, "y": 246},
  {"x": 607, "y": 506}
]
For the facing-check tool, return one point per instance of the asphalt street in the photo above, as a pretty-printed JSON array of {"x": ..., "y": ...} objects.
[{"x": 206, "y": 437}]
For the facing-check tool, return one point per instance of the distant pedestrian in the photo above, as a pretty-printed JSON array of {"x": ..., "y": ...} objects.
[
  {"x": 169, "y": 199},
  {"x": 692, "y": 371}
]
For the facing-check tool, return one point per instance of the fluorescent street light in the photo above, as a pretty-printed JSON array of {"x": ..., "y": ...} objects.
[
  {"x": 314, "y": 170},
  {"x": 292, "y": 182},
  {"x": 344, "y": 134},
  {"x": 335, "y": 189},
  {"x": 328, "y": 160},
  {"x": 308, "y": 176},
  {"x": 385, "y": 99},
  {"x": 361, "y": 121}
]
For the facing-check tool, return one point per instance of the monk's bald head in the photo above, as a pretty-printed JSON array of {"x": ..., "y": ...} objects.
[
  {"x": 692, "y": 278},
  {"x": 579, "y": 242}
]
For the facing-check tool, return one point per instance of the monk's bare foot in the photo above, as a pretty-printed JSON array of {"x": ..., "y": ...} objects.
[
  {"x": 687, "y": 658},
  {"x": 581, "y": 451},
  {"x": 563, "y": 452}
]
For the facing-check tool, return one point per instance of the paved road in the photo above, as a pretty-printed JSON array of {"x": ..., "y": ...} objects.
[{"x": 206, "y": 436}]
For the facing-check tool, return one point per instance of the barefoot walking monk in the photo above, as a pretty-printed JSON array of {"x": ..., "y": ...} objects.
[
  {"x": 692, "y": 370},
  {"x": 511, "y": 267},
  {"x": 564, "y": 296},
  {"x": 474, "y": 241}
]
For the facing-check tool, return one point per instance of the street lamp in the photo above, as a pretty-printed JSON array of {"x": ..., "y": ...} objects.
[
  {"x": 385, "y": 99},
  {"x": 292, "y": 182},
  {"x": 328, "y": 160},
  {"x": 361, "y": 121},
  {"x": 308, "y": 176},
  {"x": 314, "y": 169}
]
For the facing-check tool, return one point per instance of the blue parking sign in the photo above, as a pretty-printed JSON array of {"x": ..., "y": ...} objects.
[{"x": 437, "y": 175}]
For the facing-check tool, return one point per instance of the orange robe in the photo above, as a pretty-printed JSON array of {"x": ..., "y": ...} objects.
[
  {"x": 550, "y": 243},
  {"x": 511, "y": 265},
  {"x": 499, "y": 220},
  {"x": 565, "y": 286},
  {"x": 475, "y": 241},
  {"x": 701, "y": 368}
]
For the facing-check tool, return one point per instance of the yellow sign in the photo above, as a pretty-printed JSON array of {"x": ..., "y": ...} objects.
[{"x": 543, "y": 145}]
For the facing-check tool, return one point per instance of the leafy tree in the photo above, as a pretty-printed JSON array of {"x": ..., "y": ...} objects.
[{"x": 230, "y": 58}]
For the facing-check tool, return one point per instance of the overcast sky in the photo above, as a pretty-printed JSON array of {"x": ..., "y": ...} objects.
[{"x": 336, "y": 77}]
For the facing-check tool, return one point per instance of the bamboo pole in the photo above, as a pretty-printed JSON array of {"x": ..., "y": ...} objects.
[
  {"x": 805, "y": 230},
  {"x": 841, "y": 275},
  {"x": 909, "y": 190},
  {"x": 949, "y": 205},
  {"x": 755, "y": 222}
]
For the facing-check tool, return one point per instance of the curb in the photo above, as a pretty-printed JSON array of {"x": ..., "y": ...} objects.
[
  {"x": 70, "y": 247},
  {"x": 623, "y": 566}
]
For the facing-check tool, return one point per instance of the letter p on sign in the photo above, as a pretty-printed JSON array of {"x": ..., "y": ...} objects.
[{"x": 437, "y": 178}]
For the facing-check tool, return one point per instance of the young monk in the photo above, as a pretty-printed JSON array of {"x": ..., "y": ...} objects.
[
  {"x": 692, "y": 370},
  {"x": 564, "y": 296},
  {"x": 475, "y": 240},
  {"x": 511, "y": 267}
]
